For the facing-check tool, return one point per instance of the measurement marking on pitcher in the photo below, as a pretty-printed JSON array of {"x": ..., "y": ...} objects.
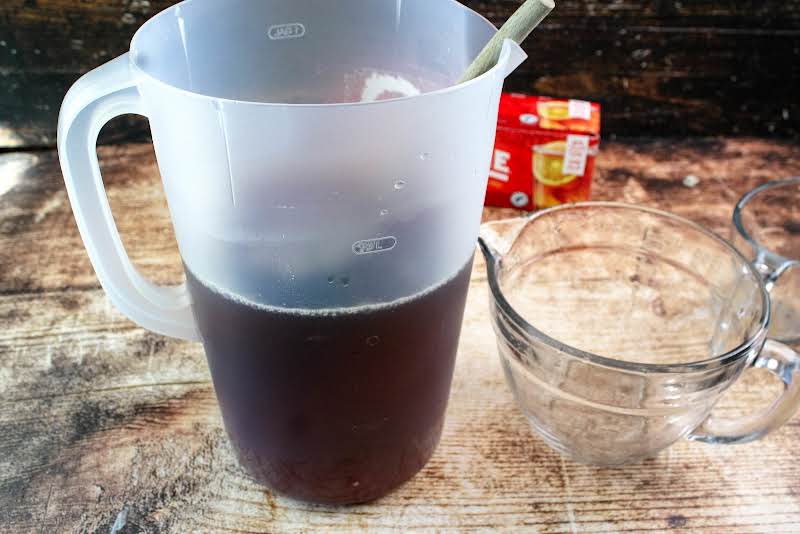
[
  {"x": 224, "y": 126},
  {"x": 291, "y": 30},
  {"x": 184, "y": 41},
  {"x": 373, "y": 246}
]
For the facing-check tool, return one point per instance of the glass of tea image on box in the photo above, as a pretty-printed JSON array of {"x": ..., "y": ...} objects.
[
  {"x": 552, "y": 113},
  {"x": 562, "y": 170}
]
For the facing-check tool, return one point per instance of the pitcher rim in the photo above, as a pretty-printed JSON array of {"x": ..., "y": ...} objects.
[{"x": 141, "y": 73}]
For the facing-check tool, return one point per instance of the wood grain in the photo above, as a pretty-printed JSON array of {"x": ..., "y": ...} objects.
[
  {"x": 104, "y": 424},
  {"x": 665, "y": 67}
]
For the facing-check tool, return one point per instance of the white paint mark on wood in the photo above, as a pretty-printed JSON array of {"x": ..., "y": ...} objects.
[
  {"x": 13, "y": 168},
  {"x": 568, "y": 501},
  {"x": 50, "y": 205},
  {"x": 691, "y": 181},
  {"x": 634, "y": 193},
  {"x": 47, "y": 505},
  {"x": 119, "y": 523}
]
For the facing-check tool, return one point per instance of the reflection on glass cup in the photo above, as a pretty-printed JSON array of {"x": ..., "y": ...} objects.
[
  {"x": 620, "y": 327},
  {"x": 766, "y": 229}
]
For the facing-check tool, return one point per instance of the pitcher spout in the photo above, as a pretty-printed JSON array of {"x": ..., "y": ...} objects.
[
  {"x": 491, "y": 255},
  {"x": 511, "y": 56}
]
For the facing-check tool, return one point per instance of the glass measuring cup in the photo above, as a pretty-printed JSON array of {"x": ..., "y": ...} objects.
[
  {"x": 766, "y": 229},
  {"x": 619, "y": 327},
  {"x": 325, "y": 178}
]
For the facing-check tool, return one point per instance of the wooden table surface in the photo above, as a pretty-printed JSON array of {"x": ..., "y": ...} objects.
[{"x": 106, "y": 427}]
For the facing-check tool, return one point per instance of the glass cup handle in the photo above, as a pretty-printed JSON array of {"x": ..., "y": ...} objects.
[
  {"x": 771, "y": 268},
  {"x": 784, "y": 363},
  {"x": 105, "y": 93}
]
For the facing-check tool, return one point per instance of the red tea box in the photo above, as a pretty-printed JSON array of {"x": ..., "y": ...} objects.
[{"x": 544, "y": 152}]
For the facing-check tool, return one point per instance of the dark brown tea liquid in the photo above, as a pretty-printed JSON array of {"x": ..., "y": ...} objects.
[{"x": 333, "y": 406}]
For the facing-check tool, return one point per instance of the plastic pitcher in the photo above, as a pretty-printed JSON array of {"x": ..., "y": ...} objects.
[{"x": 325, "y": 180}]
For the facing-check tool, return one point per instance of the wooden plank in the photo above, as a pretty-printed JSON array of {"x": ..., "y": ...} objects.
[
  {"x": 672, "y": 68},
  {"x": 74, "y": 462},
  {"x": 80, "y": 341},
  {"x": 103, "y": 423},
  {"x": 701, "y": 67},
  {"x": 36, "y": 210}
]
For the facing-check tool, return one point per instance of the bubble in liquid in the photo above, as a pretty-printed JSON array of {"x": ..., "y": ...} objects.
[
  {"x": 425, "y": 156},
  {"x": 373, "y": 341},
  {"x": 384, "y": 213},
  {"x": 399, "y": 184},
  {"x": 331, "y": 279},
  {"x": 345, "y": 281}
]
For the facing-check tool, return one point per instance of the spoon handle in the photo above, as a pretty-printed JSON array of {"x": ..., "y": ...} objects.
[{"x": 517, "y": 27}]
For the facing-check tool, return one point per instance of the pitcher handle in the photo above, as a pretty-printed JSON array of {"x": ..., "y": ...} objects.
[
  {"x": 99, "y": 96},
  {"x": 784, "y": 363}
]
